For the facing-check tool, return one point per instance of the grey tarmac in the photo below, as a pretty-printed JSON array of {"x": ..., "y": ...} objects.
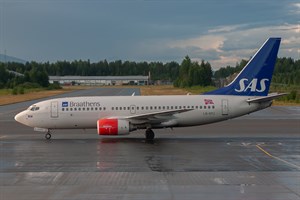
[{"x": 253, "y": 157}]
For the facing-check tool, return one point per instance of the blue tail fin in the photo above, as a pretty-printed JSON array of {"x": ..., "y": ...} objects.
[{"x": 256, "y": 76}]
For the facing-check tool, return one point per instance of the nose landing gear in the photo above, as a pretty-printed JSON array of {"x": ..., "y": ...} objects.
[{"x": 48, "y": 135}]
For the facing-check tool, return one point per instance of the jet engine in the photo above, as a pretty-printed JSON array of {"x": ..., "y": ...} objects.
[{"x": 113, "y": 127}]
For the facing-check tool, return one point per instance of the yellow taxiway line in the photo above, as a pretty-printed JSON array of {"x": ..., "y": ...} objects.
[{"x": 277, "y": 158}]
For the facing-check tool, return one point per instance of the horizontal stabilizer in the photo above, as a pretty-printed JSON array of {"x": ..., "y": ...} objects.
[{"x": 270, "y": 97}]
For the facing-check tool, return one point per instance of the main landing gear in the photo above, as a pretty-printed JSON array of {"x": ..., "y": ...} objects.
[
  {"x": 149, "y": 134},
  {"x": 48, "y": 135}
]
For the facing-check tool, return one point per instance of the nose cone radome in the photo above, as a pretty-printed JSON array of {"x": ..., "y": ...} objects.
[{"x": 20, "y": 117}]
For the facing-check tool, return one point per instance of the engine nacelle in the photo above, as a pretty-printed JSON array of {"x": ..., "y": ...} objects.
[{"x": 113, "y": 127}]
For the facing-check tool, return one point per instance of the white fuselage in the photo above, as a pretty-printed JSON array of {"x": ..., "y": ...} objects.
[{"x": 83, "y": 112}]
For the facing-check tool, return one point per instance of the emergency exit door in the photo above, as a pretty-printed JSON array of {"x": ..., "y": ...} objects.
[{"x": 132, "y": 109}]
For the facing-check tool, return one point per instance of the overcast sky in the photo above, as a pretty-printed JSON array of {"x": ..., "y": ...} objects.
[{"x": 219, "y": 31}]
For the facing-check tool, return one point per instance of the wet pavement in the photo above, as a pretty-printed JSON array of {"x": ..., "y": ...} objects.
[{"x": 253, "y": 157}]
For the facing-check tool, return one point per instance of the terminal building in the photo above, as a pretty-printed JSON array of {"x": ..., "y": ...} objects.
[{"x": 99, "y": 80}]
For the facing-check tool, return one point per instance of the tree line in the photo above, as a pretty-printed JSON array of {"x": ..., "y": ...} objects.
[
  {"x": 186, "y": 74},
  {"x": 32, "y": 77},
  {"x": 193, "y": 73},
  {"x": 286, "y": 72},
  {"x": 159, "y": 70}
]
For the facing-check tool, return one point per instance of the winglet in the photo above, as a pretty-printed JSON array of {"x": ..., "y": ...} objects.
[
  {"x": 256, "y": 76},
  {"x": 133, "y": 94}
]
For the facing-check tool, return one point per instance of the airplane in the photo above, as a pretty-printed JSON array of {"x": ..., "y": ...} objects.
[{"x": 120, "y": 115}]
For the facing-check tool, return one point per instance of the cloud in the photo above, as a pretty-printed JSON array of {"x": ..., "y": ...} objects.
[
  {"x": 223, "y": 29},
  {"x": 227, "y": 45},
  {"x": 295, "y": 8},
  {"x": 206, "y": 42}
]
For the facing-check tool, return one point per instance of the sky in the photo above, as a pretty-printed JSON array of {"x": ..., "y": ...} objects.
[{"x": 221, "y": 32}]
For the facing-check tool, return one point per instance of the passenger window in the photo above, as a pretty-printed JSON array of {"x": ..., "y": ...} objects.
[
  {"x": 163, "y": 107},
  {"x": 83, "y": 109},
  {"x": 200, "y": 107},
  {"x": 75, "y": 109},
  {"x": 104, "y": 108},
  {"x": 179, "y": 107},
  {"x": 67, "y": 109},
  {"x": 120, "y": 108},
  {"x": 63, "y": 109},
  {"x": 213, "y": 107},
  {"x": 142, "y": 108},
  {"x": 155, "y": 108},
  {"x": 167, "y": 107},
  {"x": 137, "y": 108},
  {"x": 159, "y": 108},
  {"x": 96, "y": 108},
  {"x": 79, "y": 109},
  {"x": 125, "y": 108},
  {"x": 196, "y": 107},
  {"x": 175, "y": 107},
  {"x": 204, "y": 107},
  {"x": 151, "y": 107},
  {"x": 87, "y": 108},
  {"x": 112, "y": 108},
  {"x": 71, "y": 109}
]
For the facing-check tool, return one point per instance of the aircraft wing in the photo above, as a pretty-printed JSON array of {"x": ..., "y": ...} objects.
[
  {"x": 153, "y": 117},
  {"x": 266, "y": 98}
]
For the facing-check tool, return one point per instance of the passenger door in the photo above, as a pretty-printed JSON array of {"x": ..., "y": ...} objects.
[
  {"x": 224, "y": 106},
  {"x": 54, "y": 109}
]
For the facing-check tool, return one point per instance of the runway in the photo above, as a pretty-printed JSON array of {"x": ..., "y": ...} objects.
[{"x": 253, "y": 157}]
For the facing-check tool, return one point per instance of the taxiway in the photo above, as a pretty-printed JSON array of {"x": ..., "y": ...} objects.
[{"x": 253, "y": 157}]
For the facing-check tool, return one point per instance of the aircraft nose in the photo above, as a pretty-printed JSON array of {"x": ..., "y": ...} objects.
[{"x": 20, "y": 117}]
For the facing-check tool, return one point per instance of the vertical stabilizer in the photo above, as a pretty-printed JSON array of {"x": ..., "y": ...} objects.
[{"x": 256, "y": 76}]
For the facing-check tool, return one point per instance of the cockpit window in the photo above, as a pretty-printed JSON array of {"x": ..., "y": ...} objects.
[{"x": 33, "y": 108}]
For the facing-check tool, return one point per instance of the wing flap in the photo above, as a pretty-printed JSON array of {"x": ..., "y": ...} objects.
[{"x": 153, "y": 117}]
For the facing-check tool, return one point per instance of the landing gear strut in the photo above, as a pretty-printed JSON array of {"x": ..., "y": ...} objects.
[
  {"x": 149, "y": 134},
  {"x": 48, "y": 135}
]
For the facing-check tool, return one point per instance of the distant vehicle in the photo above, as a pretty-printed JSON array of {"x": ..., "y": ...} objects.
[{"x": 120, "y": 115}]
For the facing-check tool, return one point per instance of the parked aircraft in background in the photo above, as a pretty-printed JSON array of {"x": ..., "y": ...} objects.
[{"x": 119, "y": 115}]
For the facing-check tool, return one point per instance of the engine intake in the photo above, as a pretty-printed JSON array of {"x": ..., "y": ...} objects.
[{"x": 113, "y": 127}]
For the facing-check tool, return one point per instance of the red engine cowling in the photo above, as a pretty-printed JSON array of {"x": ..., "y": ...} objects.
[{"x": 113, "y": 127}]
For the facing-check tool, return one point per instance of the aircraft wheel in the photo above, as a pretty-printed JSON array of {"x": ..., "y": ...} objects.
[
  {"x": 48, "y": 136},
  {"x": 149, "y": 134}
]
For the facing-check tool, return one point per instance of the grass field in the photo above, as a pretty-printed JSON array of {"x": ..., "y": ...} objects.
[{"x": 7, "y": 98}]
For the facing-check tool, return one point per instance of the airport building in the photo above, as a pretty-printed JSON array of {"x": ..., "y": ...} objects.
[{"x": 99, "y": 80}]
